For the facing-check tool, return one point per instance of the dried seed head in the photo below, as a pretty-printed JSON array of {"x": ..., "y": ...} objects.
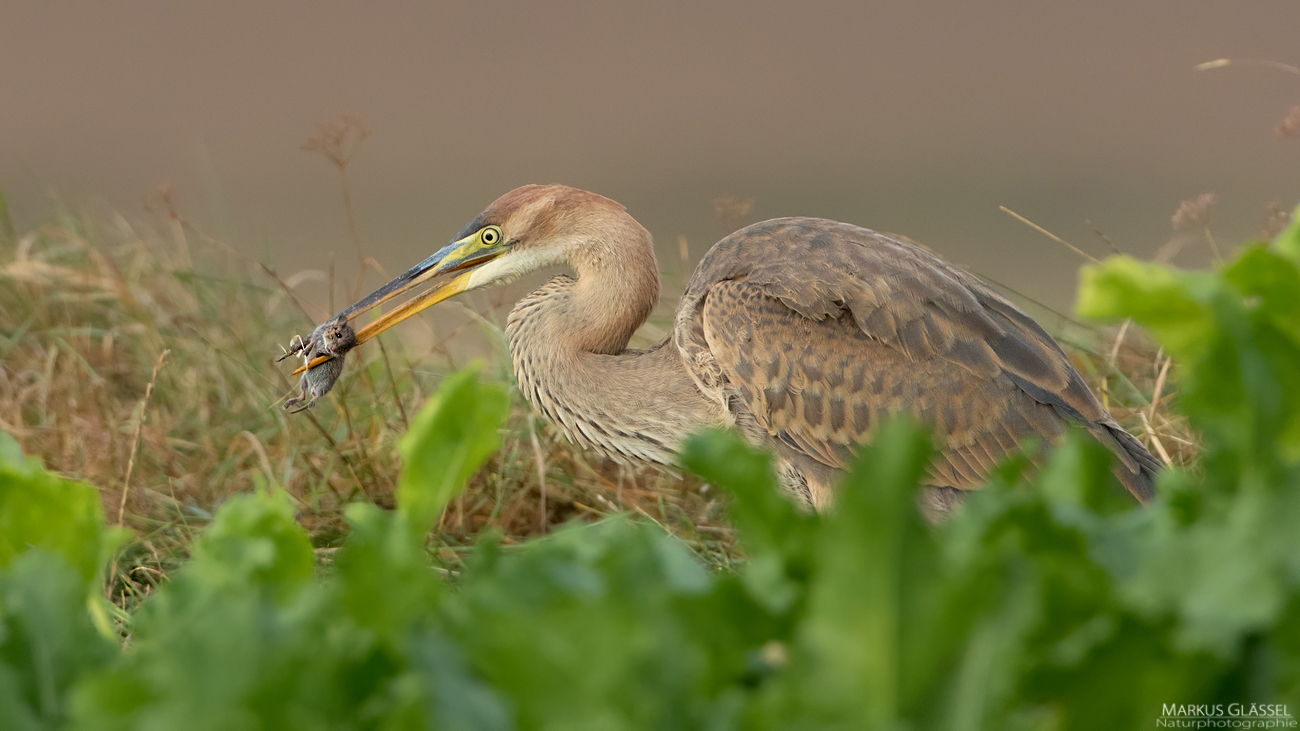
[
  {"x": 732, "y": 212},
  {"x": 1194, "y": 213},
  {"x": 337, "y": 139},
  {"x": 1277, "y": 216}
]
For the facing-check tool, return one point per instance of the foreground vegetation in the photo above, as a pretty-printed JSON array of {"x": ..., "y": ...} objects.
[{"x": 1049, "y": 602}]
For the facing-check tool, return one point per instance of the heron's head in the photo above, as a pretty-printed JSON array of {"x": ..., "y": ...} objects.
[{"x": 527, "y": 229}]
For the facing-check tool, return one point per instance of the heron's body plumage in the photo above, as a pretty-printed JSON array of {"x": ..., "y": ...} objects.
[{"x": 820, "y": 329}]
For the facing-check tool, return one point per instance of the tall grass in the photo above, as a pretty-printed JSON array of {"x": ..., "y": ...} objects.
[
  {"x": 88, "y": 306},
  {"x": 139, "y": 356}
]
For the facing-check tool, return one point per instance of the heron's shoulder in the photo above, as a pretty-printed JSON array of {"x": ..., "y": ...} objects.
[
  {"x": 806, "y": 250},
  {"x": 803, "y": 232}
]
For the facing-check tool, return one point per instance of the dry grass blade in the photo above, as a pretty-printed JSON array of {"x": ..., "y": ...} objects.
[
  {"x": 540, "y": 460},
  {"x": 260, "y": 451},
  {"x": 1049, "y": 235},
  {"x": 1155, "y": 441},
  {"x": 1119, "y": 341},
  {"x": 1159, "y": 387},
  {"x": 135, "y": 439}
]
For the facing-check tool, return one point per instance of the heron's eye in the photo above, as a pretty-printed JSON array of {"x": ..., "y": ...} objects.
[{"x": 490, "y": 235}]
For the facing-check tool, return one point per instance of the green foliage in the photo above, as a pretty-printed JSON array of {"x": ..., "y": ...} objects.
[
  {"x": 1227, "y": 562},
  {"x": 43, "y": 511},
  {"x": 255, "y": 543},
  {"x": 52, "y": 542},
  {"x": 1050, "y": 601},
  {"x": 448, "y": 441}
]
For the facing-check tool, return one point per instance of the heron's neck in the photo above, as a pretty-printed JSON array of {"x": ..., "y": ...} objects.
[
  {"x": 616, "y": 289},
  {"x": 568, "y": 341}
]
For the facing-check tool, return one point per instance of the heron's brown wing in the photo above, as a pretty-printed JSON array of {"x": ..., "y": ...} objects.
[
  {"x": 821, "y": 387},
  {"x": 791, "y": 302}
]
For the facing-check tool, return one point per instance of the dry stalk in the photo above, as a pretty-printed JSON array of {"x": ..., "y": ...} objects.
[
  {"x": 1049, "y": 234},
  {"x": 392, "y": 380},
  {"x": 1155, "y": 440},
  {"x": 135, "y": 439},
  {"x": 337, "y": 140},
  {"x": 1160, "y": 386},
  {"x": 1119, "y": 341},
  {"x": 540, "y": 460},
  {"x": 1102, "y": 235},
  {"x": 1111, "y": 359}
]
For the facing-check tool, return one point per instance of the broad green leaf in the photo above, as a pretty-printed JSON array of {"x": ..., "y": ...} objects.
[
  {"x": 879, "y": 635},
  {"x": 456, "y": 699},
  {"x": 777, "y": 535},
  {"x": 1274, "y": 282},
  {"x": 1169, "y": 303},
  {"x": 11, "y": 456},
  {"x": 42, "y": 510},
  {"x": 385, "y": 581},
  {"x": 449, "y": 439},
  {"x": 880, "y": 583},
  {"x": 47, "y": 641},
  {"x": 254, "y": 541},
  {"x": 611, "y": 625}
]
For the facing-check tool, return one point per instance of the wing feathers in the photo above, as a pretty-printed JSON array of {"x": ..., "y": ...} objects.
[{"x": 820, "y": 327}]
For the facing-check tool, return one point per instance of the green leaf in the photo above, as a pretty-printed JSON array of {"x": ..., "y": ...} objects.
[
  {"x": 879, "y": 582},
  {"x": 385, "y": 580},
  {"x": 47, "y": 641},
  {"x": 254, "y": 541},
  {"x": 448, "y": 441},
  {"x": 769, "y": 519},
  {"x": 882, "y": 630},
  {"x": 41, "y": 510},
  {"x": 1171, "y": 304},
  {"x": 1274, "y": 281},
  {"x": 610, "y": 625},
  {"x": 11, "y": 455}
]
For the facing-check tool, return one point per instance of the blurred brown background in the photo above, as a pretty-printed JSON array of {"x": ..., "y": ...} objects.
[{"x": 913, "y": 117}]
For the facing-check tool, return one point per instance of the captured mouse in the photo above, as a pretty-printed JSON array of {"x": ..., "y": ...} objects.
[{"x": 334, "y": 338}]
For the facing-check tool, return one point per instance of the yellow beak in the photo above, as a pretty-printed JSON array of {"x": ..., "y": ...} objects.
[{"x": 460, "y": 256}]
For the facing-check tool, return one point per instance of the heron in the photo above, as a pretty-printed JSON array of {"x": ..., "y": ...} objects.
[{"x": 803, "y": 334}]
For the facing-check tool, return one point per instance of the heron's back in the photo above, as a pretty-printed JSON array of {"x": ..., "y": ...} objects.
[{"x": 819, "y": 329}]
